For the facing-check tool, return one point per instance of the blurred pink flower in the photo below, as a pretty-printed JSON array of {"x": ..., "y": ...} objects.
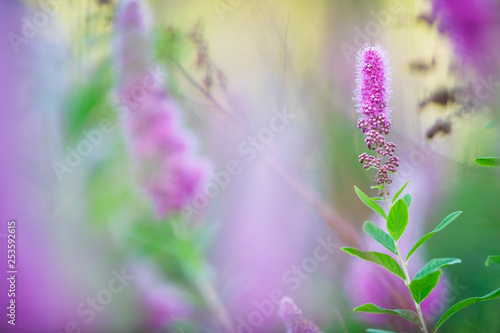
[
  {"x": 168, "y": 167},
  {"x": 474, "y": 29},
  {"x": 294, "y": 319}
]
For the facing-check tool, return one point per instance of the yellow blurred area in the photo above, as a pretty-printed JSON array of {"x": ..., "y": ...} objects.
[{"x": 261, "y": 44}]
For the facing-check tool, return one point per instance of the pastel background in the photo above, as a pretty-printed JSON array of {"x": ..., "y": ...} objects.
[{"x": 181, "y": 166}]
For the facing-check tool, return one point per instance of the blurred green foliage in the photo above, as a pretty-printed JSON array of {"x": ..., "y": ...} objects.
[
  {"x": 84, "y": 103},
  {"x": 475, "y": 235}
]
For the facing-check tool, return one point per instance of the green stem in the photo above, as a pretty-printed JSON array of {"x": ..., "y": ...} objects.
[
  {"x": 405, "y": 270},
  {"x": 407, "y": 283}
]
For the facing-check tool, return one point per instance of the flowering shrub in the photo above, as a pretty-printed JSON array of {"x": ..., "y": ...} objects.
[{"x": 372, "y": 97}]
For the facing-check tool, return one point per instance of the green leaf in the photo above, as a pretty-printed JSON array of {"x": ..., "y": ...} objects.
[
  {"x": 399, "y": 192},
  {"x": 488, "y": 161},
  {"x": 378, "y": 258},
  {"x": 380, "y": 187},
  {"x": 370, "y": 203},
  {"x": 380, "y": 236},
  {"x": 408, "y": 199},
  {"x": 377, "y": 199},
  {"x": 406, "y": 314},
  {"x": 465, "y": 303},
  {"x": 492, "y": 260},
  {"x": 83, "y": 99},
  {"x": 421, "y": 288},
  {"x": 374, "y": 330},
  {"x": 398, "y": 219},
  {"x": 434, "y": 265},
  {"x": 448, "y": 219}
]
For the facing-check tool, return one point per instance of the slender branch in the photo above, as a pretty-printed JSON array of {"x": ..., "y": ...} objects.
[
  {"x": 341, "y": 320},
  {"x": 331, "y": 217},
  {"x": 212, "y": 299},
  {"x": 206, "y": 93}
]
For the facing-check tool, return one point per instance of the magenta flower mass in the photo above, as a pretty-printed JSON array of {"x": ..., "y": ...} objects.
[
  {"x": 168, "y": 168},
  {"x": 473, "y": 28},
  {"x": 372, "y": 95}
]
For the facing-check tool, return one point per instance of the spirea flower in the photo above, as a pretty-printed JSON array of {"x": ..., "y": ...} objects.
[
  {"x": 294, "y": 319},
  {"x": 372, "y": 95},
  {"x": 167, "y": 166}
]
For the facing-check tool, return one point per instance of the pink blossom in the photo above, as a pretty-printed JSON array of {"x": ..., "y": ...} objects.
[{"x": 164, "y": 152}]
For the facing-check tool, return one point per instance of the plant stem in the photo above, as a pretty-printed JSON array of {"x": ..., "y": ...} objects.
[
  {"x": 407, "y": 283},
  {"x": 343, "y": 229},
  {"x": 405, "y": 270},
  {"x": 213, "y": 301}
]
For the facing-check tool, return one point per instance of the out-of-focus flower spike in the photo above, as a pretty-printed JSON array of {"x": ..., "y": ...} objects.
[
  {"x": 293, "y": 318},
  {"x": 473, "y": 27},
  {"x": 164, "y": 154}
]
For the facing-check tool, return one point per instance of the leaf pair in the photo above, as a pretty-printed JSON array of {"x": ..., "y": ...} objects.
[
  {"x": 427, "y": 278},
  {"x": 397, "y": 221},
  {"x": 396, "y": 225},
  {"x": 438, "y": 263},
  {"x": 412, "y": 317}
]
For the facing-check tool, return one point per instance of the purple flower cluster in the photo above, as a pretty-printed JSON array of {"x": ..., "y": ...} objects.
[
  {"x": 293, "y": 318},
  {"x": 372, "y": 96},
  {"x": 168, "y": 167}
]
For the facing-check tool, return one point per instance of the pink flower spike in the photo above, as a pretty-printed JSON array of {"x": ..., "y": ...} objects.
[
  {"x": 372, "y": 95},
  {"x": 372, "y": 92},
  {"x": 293, "y": 318}
]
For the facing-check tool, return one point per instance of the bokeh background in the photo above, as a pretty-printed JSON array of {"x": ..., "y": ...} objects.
[{"x": 94, "y": 252}]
